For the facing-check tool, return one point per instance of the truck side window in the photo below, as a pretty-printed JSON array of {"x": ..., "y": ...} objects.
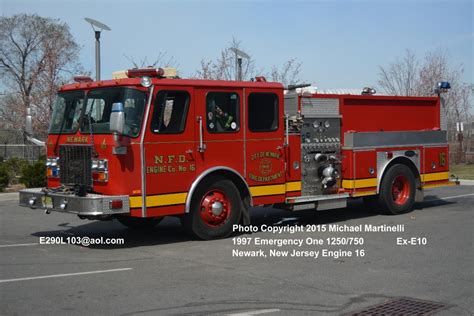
[
  {"x": 222, "y": 112},
  {"x": 170, "y": 112},
  {"x": 263, "y": 112}
]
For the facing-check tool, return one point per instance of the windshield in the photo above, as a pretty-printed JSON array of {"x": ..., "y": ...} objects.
[
  {"x": 66, "y": 112},
  {"x": 99, "y": 105}
]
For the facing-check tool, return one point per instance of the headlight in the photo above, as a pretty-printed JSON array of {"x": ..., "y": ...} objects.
[
  {"x": 52, "y": 167},
  {"x": 102, "y": 164},
  {"x": 95, "y": 164},
  {"x": 99, "y": 164},
  {"x": 327, "y": 124},
  {"x": 100, "y": 171}
]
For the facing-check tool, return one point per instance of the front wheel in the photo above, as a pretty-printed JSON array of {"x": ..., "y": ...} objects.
[
  {"x": 397, "y": 190},
  {"x": 215, "y": 207}
]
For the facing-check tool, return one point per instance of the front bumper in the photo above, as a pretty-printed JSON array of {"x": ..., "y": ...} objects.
[{"x": 89, "y": 205}]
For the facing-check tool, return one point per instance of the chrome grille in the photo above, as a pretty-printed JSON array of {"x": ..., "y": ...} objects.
[{"x": 75, "y": 164}]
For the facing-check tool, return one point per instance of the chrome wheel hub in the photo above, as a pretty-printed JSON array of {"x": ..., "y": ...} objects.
[{"x": 217, "y": 208}]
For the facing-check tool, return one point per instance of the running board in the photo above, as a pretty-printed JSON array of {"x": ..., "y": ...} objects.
[{"x": 317, "y": 202}]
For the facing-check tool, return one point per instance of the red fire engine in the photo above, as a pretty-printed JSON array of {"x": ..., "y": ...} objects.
[{"x": 148, "y": 144}]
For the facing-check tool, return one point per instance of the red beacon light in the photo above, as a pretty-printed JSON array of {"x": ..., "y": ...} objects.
[
  {"x": 145, "y": 72},
  {"x": 82, "y": 79}
]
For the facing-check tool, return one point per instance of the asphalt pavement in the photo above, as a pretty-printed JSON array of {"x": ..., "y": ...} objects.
[{"x": 164, "y": 272}]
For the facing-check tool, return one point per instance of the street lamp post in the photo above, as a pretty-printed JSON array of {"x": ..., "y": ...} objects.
[
  {"x": 238, "y": 62},
  {"x": 97, "y": 27}
]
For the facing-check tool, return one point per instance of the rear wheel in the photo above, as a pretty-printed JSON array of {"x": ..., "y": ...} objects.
[
  {"x": 397, "y": 190},
  {"x": 215, "y": 207},
  {"x": 137, "y": 222}
]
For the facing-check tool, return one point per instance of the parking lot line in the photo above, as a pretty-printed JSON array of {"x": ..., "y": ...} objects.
[
  {"x": 19, "y": 245},
  {"x": 64, "y": 275},
  {"x": 256, "y": 312}
]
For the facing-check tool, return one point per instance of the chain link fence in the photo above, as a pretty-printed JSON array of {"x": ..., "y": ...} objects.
[{"x": 14, "y": 145}]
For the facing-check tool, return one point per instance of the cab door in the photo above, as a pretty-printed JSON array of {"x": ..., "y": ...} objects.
[
  {"x": 219, "y": 125},
  {"x": 265, "y": 153},
  {"x": 170, "y": 161}
]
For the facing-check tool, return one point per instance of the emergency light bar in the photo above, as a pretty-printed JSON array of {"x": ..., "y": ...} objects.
[
  {"x": 148, "y": 72},
  {"x": 82, "y": 79},
  {"x": 368, "y": 91},
  {"x": 442, "y": 86}
]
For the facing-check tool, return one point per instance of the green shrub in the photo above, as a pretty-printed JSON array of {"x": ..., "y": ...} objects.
[
  {"x": 15, "y": 167},
  {"x": 34, "y": 175},
  {"x": 4, "y": 177}
]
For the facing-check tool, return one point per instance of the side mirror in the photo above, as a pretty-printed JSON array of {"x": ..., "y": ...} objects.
[{"x": 117, "y": 118}]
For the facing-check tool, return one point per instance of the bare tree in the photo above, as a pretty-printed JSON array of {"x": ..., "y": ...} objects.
[
  {"x": 224, "y": 68},
  {"x": 410, "y": 76},
  {"x": 288, "y": 74},
  {"x": 400, "y": 77},
  {"x": 161, "y": 60},
  {"x": 12, "y": 112},
  {"x": 37, "y": 55}
]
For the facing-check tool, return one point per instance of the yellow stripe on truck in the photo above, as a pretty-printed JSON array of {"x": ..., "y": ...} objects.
[
  {"x": 357, "y": 184},
  {"x": 263, "y": 190},
  {"x": 293, "y": 186},
  {"x": 159, "y": 200},
  {"x": 437, "y": 176},
  {"x": 180, "y": 198},
  {"x": 372, "y": 182}
]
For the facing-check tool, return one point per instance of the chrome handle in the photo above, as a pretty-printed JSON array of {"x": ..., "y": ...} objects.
[{"x": 202, "y": 146}]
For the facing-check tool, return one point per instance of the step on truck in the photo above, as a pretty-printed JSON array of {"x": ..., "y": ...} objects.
[{"x": 148, "y": 144}]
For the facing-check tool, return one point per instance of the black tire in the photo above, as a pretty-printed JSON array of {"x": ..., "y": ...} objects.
[
  {"x": 197, "y": 226},
  {"x": 372, "y": 203},
  {"x": 139, "y": 223},
  {"x": 402, "y": 179}
]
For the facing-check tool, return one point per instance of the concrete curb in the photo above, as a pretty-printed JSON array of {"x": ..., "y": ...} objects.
[
  {"x": 8, "y": 196},
  {"x": 466, "y": 182}
]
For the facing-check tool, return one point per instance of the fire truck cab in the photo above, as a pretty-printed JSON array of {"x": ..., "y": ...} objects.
[{"x": 148, "y": 144}]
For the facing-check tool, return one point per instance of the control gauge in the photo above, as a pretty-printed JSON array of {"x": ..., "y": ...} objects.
[
  {"x": 316, "y": 124},
  {"x": 327, "y": 124}
]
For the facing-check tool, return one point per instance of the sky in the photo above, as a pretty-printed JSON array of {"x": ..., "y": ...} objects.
[{"x": 340, "y": 43}]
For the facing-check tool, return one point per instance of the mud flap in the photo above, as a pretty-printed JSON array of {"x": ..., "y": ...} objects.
[{"x": 419, "y": 195}]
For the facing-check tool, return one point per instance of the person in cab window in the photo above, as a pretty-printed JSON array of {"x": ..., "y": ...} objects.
[
  {"x": 220, "y": 121},
  {"x": 223, "y": 120}
]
